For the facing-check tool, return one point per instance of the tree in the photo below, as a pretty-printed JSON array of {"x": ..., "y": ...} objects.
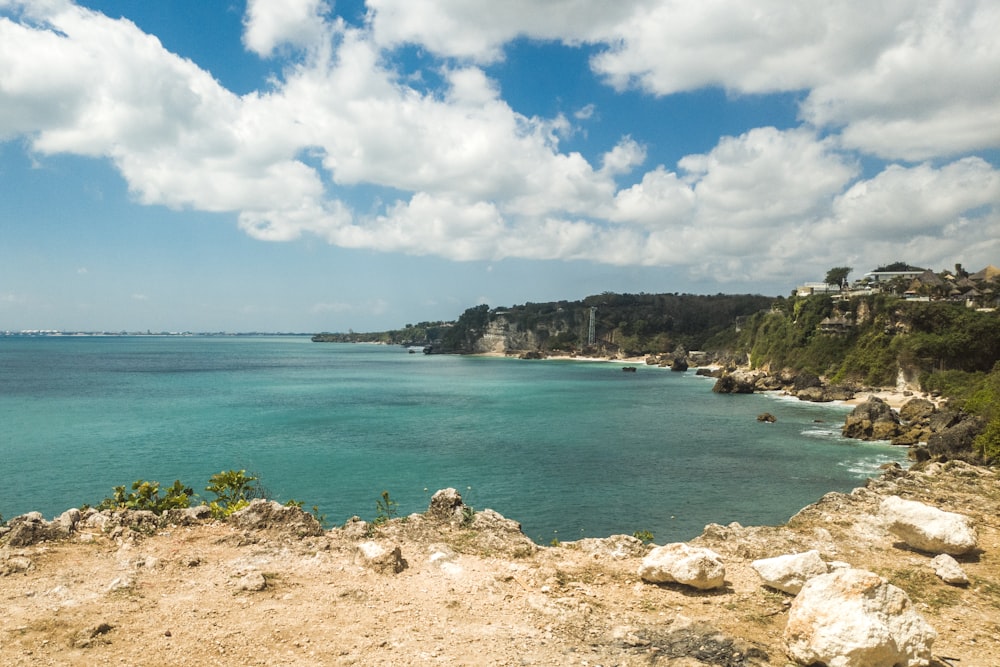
[{"x": 838, "y": 275}]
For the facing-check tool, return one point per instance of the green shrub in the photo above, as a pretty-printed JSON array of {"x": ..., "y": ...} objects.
[
  {"x": 987, "y": 443},
  {"x": 644, "y": 535},
  {"x": 146, "y": 496},
  {"x": 234, "y": 489}
]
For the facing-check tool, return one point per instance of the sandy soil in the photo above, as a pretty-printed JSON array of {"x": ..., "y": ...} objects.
[{"x": 213, "y": 594}]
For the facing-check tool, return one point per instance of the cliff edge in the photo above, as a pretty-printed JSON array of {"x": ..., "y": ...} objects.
[{"x": 456, "y": 587}]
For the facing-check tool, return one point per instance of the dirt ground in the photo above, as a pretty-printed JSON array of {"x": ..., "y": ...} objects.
[{"x": 471, "y": 593}]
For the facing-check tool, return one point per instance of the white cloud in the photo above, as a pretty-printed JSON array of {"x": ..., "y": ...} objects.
[
  {"x": 661, "y": 199},
  {"x": 920, "y": 200},
  {"x": 466, "y": 177},
  {"x": 478, "y": 29},
  {"x": 271, "y": 24},
  {"x": 766, "y": 177},
  {"x": 904, "y": 81}
]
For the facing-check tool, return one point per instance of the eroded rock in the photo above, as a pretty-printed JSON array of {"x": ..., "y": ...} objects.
[
  {"x": 381, "y": 558},
  {"x": 927, "y": 528},
  {"x": 272, "y": 515},
  {"x": 788, "y": 573},
  {"x": 32, "y": 528},
  {"x": 682, "y": 563},
  {"x": 446, "y": 505},
  {"x": 855, "y": 618},
  {"x": 871, "y": 420},
  {"x": 949, "y": 571}
]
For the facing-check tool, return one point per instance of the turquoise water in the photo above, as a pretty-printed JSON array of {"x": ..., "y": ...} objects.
[{"x": 567, "y": 448}]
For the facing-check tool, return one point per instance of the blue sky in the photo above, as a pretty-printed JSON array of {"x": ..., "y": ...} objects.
[{"x": 310, "y": 165}]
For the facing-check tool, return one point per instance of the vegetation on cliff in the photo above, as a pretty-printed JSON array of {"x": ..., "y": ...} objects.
[{"x": 624, "y": 324}]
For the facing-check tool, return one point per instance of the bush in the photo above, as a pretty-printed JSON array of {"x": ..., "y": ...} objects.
[
  {"x": 146, "y": 496},
  {"x": 234, "y": 489}
]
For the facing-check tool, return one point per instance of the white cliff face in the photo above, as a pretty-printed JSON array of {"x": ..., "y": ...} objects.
[{"x": 502, "y": 335}]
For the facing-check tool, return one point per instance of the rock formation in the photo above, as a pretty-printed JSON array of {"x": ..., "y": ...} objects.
[
  {"x": 872, "y": 420},
  {"x": 855, "y": 618},
  {"x": 927, "y": 528},
  {"x": 788, "y": 573},
  {"x": 681, "y": 563}
]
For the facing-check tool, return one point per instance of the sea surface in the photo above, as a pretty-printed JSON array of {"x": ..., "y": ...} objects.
[{"x": 568, "y": 448}]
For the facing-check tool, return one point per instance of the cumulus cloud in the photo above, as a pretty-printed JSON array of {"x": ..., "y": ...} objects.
[
  {"x": 478, "y": 29},
  {"x": 271, "y": 24},
  {"x": 904, "y": 81},
  {"x": 463, "y": 175}
]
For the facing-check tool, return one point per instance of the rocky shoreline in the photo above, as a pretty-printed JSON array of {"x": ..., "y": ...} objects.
[
  {"x": 913, "y": 554},
  {"x": 922, "y": 421}
]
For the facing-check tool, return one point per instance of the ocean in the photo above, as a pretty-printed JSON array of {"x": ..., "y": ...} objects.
[{"x": 569, "y": 449}]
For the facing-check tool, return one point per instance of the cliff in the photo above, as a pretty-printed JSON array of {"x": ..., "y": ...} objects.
[{"x": 455, "y": 587}]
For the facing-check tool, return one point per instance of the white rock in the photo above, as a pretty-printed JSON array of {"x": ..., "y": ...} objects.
[
  {"x": 381, "y": 558},
  {"x": 789, "y": 572},
  {"x": 927, "y": 528},
  {"x": 681, "y": 563},
  {"x": 949, "y": 570},
  {"x": 855, "y": 618},
  {"x": 252, "y": 581},
  {"x": 68, "y": 519}
]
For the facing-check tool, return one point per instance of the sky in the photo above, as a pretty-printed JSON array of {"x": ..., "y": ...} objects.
[{"x": 327, "y": 165}]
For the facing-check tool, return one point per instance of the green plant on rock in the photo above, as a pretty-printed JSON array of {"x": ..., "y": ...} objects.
[
  {"x": 234, "y": 489},
  {"x": 146, "y": 496},
  {"x": 385, "y": 509},
  {"x": 643, "y": 535}
]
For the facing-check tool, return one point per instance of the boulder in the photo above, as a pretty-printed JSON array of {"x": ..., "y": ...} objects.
[
  {"x": 927, "y": 528},
  {"x": 679, "y": 364},
  {"x": 949, "y": 571},
  {"x": 790, "y": 572},
  {"x": 766, "y": 417},
  {"x": 871, "y": 420},
  {"x": 813, "y": 395},
  {"x": 768, "y": 383},
  {"x": 943, "y": 419},
  {"x": 731, "y": 384},
  {"x": 911, "y": 435},
  {"x": 916, "y": 410},
  {"x": 855, "y": 618},
  {"x": 68, "y": 520},
  {"x": 681, "y": 563},
  {"x": 839, "y": 392},
  {"x": 956, "y": 441},
  {"x": 271, "y": 515},
  {"x": 805, "y": 381}
]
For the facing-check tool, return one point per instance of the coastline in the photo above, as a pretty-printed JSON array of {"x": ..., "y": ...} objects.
[{"x": 894, "y": 397}]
